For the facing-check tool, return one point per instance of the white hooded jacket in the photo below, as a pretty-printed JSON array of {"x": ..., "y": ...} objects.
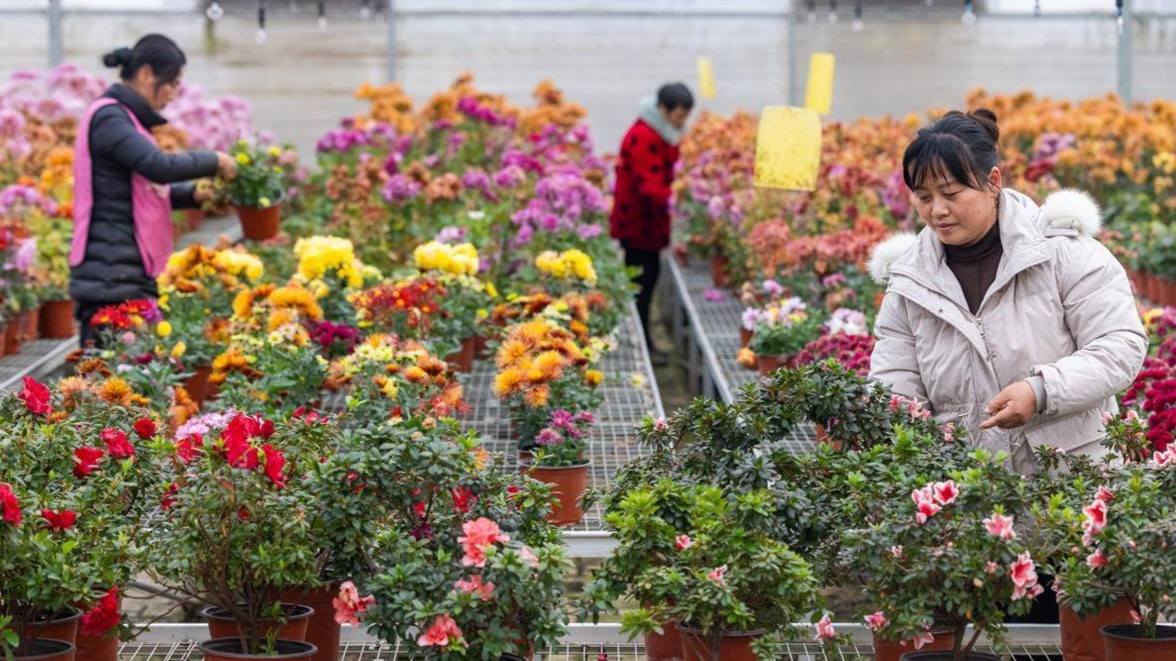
[{"x": 1060, "y": 315}]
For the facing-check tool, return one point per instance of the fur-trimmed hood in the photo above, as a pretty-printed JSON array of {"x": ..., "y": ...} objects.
[{"x": 1069, "y": 212}]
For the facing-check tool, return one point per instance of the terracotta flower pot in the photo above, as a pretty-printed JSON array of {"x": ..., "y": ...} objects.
[
  {"x": 745, "y": 337},
  {"x": 463, "y": 360},
  {"x": 734, "y": 646},
  {"x": 47, "y": 649},
  {"x": 64, "y": 627},
  {"x": 568, "y": 486},
  {"x": 97, "y": 648},
  {"x": 193, "y": 219},
  {"x": 1167, "y": 291},
  {"x": 57, "y": 320},
  {"x": 768, "y": 364},
  {"x": 887, "y": 650},
  {"x": 1151, "y": 290},
  {"x": 1125, "y": 642},
  {"x": 720, "y": 270},
  {"x": 13, "y": 337},
  {"x": 229, "y": 649},
  {"x": 323, "y": 631},
  {"x": 222, "y": 625},
  {"x": 1082, "y": 638},
  {"x": 666, "y": 646},
  {"x": 3, "y": 339},
  {"x": 481, "y": 347},
  {"x": 260, "y": 224},
  {"x": 197, "y": 385}
]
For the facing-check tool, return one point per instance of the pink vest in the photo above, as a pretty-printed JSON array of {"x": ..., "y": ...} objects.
[{"x": 150, "y": 202}]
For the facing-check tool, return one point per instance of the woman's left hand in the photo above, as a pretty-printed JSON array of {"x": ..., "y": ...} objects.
[{"x": 1012, "y": 408}]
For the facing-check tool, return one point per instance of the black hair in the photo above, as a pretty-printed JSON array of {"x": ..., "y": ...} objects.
[
  {"x": 155, "y": 50},
  {"x": 961, "y": 145},
  {"x": 672, "y": 96}
]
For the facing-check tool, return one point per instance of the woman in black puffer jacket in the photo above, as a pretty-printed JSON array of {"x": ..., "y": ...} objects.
[{"x": 123, "y": 195}]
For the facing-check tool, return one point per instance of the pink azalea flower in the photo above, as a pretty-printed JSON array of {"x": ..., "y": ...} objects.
[
  {"x": 1095, "y": 516},
  {"x": 946, "y": 492},
  {"x": 1097, "y": 559},
  {"x": 480, "y": 534},
  {"x": 683, "y": 542},
  {"x": 718, "y": 575},
  {"x": 528, "y": 557},
  {"x": 999, "y": 525},
  {"x": 949, "y": 432},
  {"x": 442, "y": 633},
  {"x": 927, "y": 509},
  {"x": 922, "y": 639},
  {"x": 825, "y": 629},
  {"x": 1024, "y": 575},
  {"x": 876, "y": 621},
  {"x": 896, "y": 551},
  {"x": 475, "y": 586},
  {"x": 1104, "y": 495},
  {"x": 349, "y": 606},
  {"x": 1162, "y": 459},
  {"x": 991, "y": 568}
]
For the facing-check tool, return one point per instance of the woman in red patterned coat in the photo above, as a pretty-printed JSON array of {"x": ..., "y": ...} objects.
[{"x": 640, "y": 217}]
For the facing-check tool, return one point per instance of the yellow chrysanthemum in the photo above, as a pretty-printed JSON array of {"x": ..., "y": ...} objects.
[
  {"x": 507, "y": 382},
  {"x": 538, "y": 396},
  {"x": 593, "y": 377}
]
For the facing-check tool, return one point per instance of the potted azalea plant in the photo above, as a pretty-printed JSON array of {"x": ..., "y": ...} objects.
[
  {"x": 560, "y": 460},
  {"x": 258, "y": 189},
  {"x": 732, "y": 590},
  {"x": 1113, "y": 561},
  {"x": 457, "y": 555},
  {"x": 75, "y": 491},
  {"x": 228, "y": 537},
  {"x": 949, "y": 554}
]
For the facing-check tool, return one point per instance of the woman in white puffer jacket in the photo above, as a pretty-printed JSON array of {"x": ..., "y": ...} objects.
[{"x": 1008, "y": 319}]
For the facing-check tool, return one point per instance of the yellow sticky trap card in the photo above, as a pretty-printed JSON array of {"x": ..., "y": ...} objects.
[
  {"x": 819, "y": 96},
  {"x": 706, "y": 78},
  {"x": 788, "y": 148}
]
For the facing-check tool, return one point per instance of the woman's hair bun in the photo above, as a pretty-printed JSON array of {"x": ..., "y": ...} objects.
[
  {"x": 119, "y": 57},
  {"x": 988, "y": 119}
]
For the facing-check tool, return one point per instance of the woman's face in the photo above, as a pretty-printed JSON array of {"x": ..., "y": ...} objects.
[
  {"x": 157, "y": 94},
  {"x": 958, "y": 214}
]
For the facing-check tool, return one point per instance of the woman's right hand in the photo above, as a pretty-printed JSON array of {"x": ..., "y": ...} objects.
[{"x": 226, "y": 166}]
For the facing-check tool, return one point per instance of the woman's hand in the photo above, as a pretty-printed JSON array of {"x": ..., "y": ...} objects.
[
  {"x": 227, "y": 167},
  {"x": 1012, "y": 407}
]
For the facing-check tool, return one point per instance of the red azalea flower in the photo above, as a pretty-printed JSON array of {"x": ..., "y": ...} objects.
[
  {"x": 188, "y": 447},
  {"x": 62, "y": 520},
  {"x": 35, "y": 397},
  {"x": 145, "y": 428},
  {"x": 275, "y": 461},
  {"x": 463, "y": 499},
  {"x": 9, "y": 506},
  {"x": 117, "y": 444},
  {"x": 86, "y": 460},
  {"x": 169, "y": 497},
  {"x": 103, "y": 617}
]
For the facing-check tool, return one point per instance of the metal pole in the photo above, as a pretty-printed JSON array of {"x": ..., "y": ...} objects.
[
  {"x": 390, "y": 16},
  {"x": 55, "y": 39},
  {"x": 793, "y": 83},
  {"x": 1126, "y": 28}
]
